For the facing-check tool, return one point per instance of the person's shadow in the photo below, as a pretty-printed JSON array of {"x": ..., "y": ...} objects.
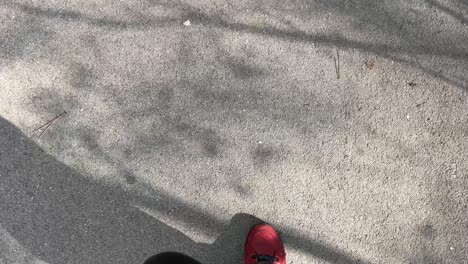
[
  {"x": 60, "y": 216},
  {"x": 49, "y": 213}
]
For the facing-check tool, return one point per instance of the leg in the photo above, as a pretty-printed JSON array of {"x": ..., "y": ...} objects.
[{"x": 171, "y": 258}]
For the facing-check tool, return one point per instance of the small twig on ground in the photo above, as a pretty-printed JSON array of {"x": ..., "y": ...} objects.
[
  {"x": 48, "y": 124},
  {"x": 337, "y": 64}
]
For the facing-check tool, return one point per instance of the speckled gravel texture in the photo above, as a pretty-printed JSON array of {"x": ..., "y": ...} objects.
[{"x": 188, "y": 122}]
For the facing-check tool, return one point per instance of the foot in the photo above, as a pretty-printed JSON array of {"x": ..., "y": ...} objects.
[{"x": 264, "y": 246}]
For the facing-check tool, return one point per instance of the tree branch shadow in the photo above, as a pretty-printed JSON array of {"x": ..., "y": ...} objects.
[
  {"x": 199, "y": 18},
  {"x": 456, "y": 15},
  {"x": 76, "y": 16}
]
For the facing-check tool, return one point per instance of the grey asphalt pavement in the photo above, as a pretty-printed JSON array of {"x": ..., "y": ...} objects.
[{"x": 177, "y": 125}]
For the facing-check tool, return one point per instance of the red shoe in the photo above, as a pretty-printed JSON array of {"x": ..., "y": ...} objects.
[{"x": 264, "y": 246}]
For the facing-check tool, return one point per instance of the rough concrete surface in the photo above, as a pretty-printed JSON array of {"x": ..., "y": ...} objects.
[{"x": 187, "y": 122}]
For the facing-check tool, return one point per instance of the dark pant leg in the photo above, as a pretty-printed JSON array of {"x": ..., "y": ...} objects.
[{"x": 171, "y": 258}]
